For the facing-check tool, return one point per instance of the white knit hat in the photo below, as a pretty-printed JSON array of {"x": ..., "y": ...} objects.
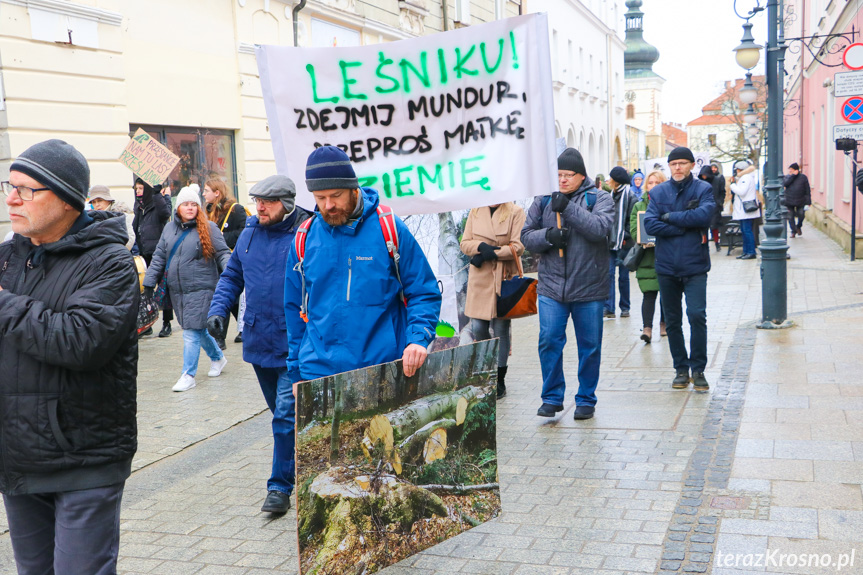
[{"x": 188, "y": 194}]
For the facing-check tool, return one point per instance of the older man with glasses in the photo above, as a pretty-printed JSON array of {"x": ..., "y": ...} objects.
[{"x": 679, "y": 216}]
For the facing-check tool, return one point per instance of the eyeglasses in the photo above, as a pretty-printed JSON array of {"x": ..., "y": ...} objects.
[
  {"x": 561, "y": 176},
  {"x": 680, "y": 164},
  {"x": 24, "y": 192},
  {"x": 267, "y": 201}
]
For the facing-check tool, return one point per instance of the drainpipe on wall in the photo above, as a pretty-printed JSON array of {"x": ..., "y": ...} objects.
[
  {"x": 295, "y": 19},
  {"x": 444, "y": 10},
  {"x": 802, "y": 86}
]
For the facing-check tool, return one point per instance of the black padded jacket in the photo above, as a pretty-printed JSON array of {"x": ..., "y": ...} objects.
[{"x": 68, "y": 359}]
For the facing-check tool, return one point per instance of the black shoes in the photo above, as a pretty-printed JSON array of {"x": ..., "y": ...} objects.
[
  {"x": 699, "y": 382},
  {"x": 166, "y": 329},
  {"x": 148, "y": 331},
  {"x": 583, "y": 412},
  {"x": 239, "y": 338},
  {"x": 276, "y": 502},
  {"x": 747, "y": 257},
  {"x": 681, "y": 380},
  {"x": 624, "y": 313},
  {"x": 548, "y": 410},
  {"x": 609, "y": 314},
  {"x": 501, "y": 381}
]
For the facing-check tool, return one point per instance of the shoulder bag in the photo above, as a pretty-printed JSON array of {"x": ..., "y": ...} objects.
[
  {"x": 517, "y": 295},
  {"x": 633, "y": 257}
]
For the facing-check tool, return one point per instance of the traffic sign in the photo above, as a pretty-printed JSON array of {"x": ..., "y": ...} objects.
[
  {"x": 852, "y": 110},
  {"x": 853, "y": 131},
  {"x": 848, "y": 84},
  {"x": 853, "y": 56}
]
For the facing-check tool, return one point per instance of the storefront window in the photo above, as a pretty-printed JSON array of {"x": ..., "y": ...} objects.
[{"x": 204, "y": 154}]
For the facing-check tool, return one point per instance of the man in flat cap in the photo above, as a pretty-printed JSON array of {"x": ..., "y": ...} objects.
[
  {"x": 679, "y": 215},
  {"x": 259, "y": 256},
  {"x": 68, "y": 309}
]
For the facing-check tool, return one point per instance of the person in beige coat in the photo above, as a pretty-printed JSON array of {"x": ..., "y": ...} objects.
[{"x": 492, "y": 237}]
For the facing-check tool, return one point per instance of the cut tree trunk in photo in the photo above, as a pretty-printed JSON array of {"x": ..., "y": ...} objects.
[{"x": 367, "y": 440}]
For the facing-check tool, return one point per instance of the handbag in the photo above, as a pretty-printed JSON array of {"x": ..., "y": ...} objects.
[
  {"x": 148, "y": 313},
  {"x": 517, "y": 295},
  {"x": 633, "y": 257},
  {"x": 750, "y": 206},
  {"x": 162, "y": 288}
]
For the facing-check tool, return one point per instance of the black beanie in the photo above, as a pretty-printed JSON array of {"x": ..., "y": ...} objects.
[
  {"x": 58, "y": 166},
  {"x": 681, "y": 153},
  {"x": 620, "y": 175},
  {"x": 795, "y": 166},
  {"x": 570, "y": 159}
]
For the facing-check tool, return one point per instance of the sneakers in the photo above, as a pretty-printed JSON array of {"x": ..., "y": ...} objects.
[
  {"x": 217, "y": 366},
  {"x": 583, "y": 412},
  {"x": 276, "y": 502},
  {"x": 624, "y": 313},
  {"x": 239, "y": 338},
  {"x": 609, "y": 314},
  {"x": 699, "y": 382},
  {"x": 548, "y": 410},
  {"x": 185, "y": 383},
  {"x": 647, "y": 334},
  {"x": 166, "y": 329},
  {"x": 681, "y": 380}
]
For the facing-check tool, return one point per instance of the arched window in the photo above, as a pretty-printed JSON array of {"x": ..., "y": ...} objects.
[{"x": 630, "y": 111}]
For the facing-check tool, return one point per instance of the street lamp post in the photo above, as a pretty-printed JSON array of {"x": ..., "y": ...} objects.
[{"x": 774, "y": 280}]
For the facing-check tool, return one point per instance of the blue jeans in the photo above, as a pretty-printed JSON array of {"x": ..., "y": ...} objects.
[
  {"x": 66, "y": 533},
  {"x": 587, "y": 321},
  {"x": 193, "y": 341},
  {"x": 672, "y": 290},
  {"x": 748, "y": 237},
  {"x": 279, "y": 395},
  {"x": 615, "y": 262}
]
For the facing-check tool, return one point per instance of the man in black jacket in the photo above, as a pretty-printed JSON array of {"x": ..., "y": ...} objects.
[
  {"x": 68, "y": 306},
  {"x": 798, "y": 195},
  {"x": 152, "y": 212}
]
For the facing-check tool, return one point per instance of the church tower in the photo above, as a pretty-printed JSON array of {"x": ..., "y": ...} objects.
[{"x": 643, "y": 87}]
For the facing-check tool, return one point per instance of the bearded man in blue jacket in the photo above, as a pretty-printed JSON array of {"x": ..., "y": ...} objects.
[
  {"x": 263, "y": 246},
  {"x": 679, "y": 216},
  {"x": 356, "y": 314}
]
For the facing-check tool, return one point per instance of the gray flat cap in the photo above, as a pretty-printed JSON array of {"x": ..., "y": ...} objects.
[{"x": 276, "y": 187}]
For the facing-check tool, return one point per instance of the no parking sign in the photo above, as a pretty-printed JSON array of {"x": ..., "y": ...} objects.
[{"x": 852, "y": 110}]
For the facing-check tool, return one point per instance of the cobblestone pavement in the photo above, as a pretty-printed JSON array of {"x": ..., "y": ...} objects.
[{"x": 660, "y": 481}]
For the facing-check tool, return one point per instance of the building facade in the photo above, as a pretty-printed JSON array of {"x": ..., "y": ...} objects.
[
  {"x": 812, "y": 109},
  {"x": 92, "y": 72},
  {"x": 587, "y": 73}
]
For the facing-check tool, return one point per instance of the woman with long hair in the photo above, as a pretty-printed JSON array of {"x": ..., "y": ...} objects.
[
  {"x": 492, "y": 239},
  {"x": 648, "y": 282},
  {"x": 230, "y": 217},
  {"x": 193, "y": 253}
]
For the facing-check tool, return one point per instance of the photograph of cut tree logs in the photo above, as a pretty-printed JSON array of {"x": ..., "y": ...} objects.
[{"x": 388, "y": 466}]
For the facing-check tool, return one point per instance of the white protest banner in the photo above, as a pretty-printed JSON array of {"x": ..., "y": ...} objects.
[
  {"x": 148, "y": 159},
  {"x": 444, "y": 122},
  {"x": 701, "y": 159}
]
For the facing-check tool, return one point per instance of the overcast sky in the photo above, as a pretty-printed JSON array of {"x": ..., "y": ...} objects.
[{"x": 695, "y": 39}]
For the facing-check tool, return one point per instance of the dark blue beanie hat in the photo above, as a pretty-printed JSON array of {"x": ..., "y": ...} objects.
[
  {"x": 58, "y": 166},
  {"x": 329, "y": 168},
  {"x": 620, "y": 175}
]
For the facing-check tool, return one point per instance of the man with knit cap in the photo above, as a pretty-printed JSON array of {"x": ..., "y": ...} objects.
[
  {"x": 619, "y": 240},
  {"x": 679, "y": 215},
  {"x": 363, "y": 308},
  {"x": 68, "y": 309},
  {"x": 570, "y": 229},
  {"x": 262, "y": 247}
]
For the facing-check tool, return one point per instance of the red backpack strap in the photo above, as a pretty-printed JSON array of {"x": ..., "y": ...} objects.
[
  {"x": 391, "y": 236},
  {"x": 300, "y": 246}
]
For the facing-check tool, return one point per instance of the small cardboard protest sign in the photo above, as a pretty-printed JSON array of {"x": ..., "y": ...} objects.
[
  {"x": 643, "y": 236},
  {"x": 148, "y": 159},
  {"x": 388, "y": 466}
]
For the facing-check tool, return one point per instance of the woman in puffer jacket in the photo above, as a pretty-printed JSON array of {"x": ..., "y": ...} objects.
[
  {"x": 194, "y": 252},
  {"x": 744, "y": 186}
]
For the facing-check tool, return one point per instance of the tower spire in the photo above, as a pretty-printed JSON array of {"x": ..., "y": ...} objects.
[{"x": 639, "y": 57}]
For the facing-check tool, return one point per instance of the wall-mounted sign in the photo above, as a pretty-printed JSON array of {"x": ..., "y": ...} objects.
[{"x": 848, "y": 84}]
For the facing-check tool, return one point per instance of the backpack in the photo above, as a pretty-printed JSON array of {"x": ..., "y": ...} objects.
[{"x": 387, "y": 219}]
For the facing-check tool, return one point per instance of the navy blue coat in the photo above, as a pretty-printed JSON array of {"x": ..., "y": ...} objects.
[
  {"x": 257, "y": 265},
  {"x": 681, "y": 248}
]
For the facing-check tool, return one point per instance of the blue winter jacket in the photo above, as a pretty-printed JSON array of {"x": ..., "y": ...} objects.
[
  {"x": 256, "y": 263},
  {"x": 681, "y": 246},
  {"x": 356, "y": 318}
]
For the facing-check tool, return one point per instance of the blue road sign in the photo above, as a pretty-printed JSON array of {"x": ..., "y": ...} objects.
[{"x": 852, "y": 110}]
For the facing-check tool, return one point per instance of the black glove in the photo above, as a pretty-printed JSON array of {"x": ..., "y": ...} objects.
[
  {"x": 148, "y": 292},
  {"x": 477, "y": 260},
  {"x": 487, "y": 251},
  {"x": 557, "y": 237},
  {"x": 216, "y": 326},
  {"x": 664, "y": 217},
  {"x": 692, "y": 204},
  {"x": 559, "y": 201}
]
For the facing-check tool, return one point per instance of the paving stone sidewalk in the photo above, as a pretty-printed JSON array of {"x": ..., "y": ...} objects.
[{"x": 660, "y": 481}]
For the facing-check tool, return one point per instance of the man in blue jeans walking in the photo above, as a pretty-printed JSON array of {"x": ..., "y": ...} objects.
[
  {"x": 619, "y": 240},
  {"x": 573, "y": 279},
  {"x": 679, "y": 216},
  {"x": 263, "y": 247}
]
